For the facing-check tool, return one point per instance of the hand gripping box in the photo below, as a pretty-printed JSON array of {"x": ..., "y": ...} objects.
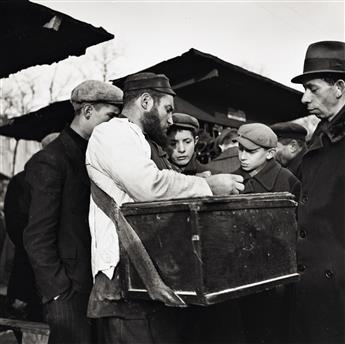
[{"x": 211, "y": 249}]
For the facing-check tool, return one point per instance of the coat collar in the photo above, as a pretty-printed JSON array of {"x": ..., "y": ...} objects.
[
  {"x": 75, "y": 154},
  {"x": 266, "y": 177},
  {"x": 334, "y": 131}
]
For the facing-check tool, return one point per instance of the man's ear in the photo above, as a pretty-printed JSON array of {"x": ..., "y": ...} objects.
[
  {"x": 340, "y": 85},
  {"x": 293, "y": 146},
  {"x": 146, "y": 101},
  {"x": 270, "y": 153},
  {"x": 87, "y": 111},
  {"x": 196, "y": 139}
]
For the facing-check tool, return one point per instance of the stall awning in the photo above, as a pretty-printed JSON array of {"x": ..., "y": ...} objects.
[
  {"x": 32, "y": 34},
  {"x": 37, "y": 124},
  {"x": 214, "y": 86}
]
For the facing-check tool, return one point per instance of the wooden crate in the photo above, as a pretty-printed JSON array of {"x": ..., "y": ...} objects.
[{"x": 212, "y": 249}]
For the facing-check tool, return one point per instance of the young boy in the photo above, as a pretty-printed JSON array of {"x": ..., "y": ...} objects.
[
  {"x": 263, "y": 313},
  {"x": 257, "y": 144},
  {"x": 182, "y": 139}
]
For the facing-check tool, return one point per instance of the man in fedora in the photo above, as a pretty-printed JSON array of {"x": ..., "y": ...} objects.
[
  {"x": 318, "y": 303},
  {"x": 124, "y": 158}
]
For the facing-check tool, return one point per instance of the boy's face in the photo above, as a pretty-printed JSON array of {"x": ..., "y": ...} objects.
[
  {"x": 252, "y": 160},
  {"x": 181, "y": 146}
]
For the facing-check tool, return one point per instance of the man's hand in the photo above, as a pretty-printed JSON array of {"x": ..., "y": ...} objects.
[{"x": 225, "y": 184}]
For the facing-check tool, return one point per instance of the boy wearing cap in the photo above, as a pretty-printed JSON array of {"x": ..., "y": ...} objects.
[
  {"x": 57, "y": 235},
  {"x": 261, "y": 173},
  {"x": 291, "y": 145},
  {"x": 182, "y": 139},
  {"x": 200, "y": 324},
  {"x": 318, "y": 299}
]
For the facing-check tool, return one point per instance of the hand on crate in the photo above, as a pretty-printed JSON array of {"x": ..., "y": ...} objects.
[{"x": 225, "y": 184}]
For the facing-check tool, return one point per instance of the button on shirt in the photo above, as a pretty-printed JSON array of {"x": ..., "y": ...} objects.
[{"x": 118, "y": 161}]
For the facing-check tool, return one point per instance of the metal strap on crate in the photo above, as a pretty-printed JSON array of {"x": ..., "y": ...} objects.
[{"x": 135, "y": 249}]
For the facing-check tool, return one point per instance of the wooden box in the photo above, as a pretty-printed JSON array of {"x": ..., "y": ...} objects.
[{"x": 212, "y": 249}]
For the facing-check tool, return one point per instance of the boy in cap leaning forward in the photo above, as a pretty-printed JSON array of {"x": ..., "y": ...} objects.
[
  {"x": 263, "y": 318},
  {"x": 57, "y": 236}
]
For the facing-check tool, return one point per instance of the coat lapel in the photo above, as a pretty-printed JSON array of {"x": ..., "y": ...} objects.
[{"x": 267, "y": 177}]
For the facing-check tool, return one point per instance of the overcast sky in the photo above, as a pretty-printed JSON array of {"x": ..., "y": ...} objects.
[{"x": 268, "y": 37}]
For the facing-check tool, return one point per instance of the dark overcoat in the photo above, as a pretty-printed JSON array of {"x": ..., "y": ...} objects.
[
  {"x": 16, "y": 208},
  {"x": 318, "y": 299},
  {"x": 272, "y": 178},
  {"x": 57, "y": 237},
  {"x": 264, "y": 314}
]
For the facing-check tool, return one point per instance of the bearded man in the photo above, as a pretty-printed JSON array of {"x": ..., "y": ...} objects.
[{"x": 126, "y": 161}]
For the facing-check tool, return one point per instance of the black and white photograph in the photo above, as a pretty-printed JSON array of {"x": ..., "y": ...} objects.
[{"x": 172, "y": 172}]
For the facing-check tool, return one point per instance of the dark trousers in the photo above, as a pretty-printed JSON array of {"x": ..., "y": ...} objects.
[
  {"x": 219, "y": 323},
  {"x": 265, "y": 316},
  {"x": 157, "y": 328},
  {"x": 67, "y": 320}
]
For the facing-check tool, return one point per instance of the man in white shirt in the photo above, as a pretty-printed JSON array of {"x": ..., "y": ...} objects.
[{"x": 125, "y": 160}]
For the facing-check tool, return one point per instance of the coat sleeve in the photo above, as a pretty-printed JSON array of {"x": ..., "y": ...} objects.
[
  {"x": 44, "y": 174},
  {"x": 16, "y": 207}
]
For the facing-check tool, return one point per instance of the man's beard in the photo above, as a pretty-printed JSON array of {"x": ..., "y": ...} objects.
[{"x": 152, "y": 127}]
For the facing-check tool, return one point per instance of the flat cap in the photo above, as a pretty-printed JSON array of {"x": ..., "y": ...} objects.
[
  {"x": 95, "y": 91},
  {"x": 289, "y": 130},
  {"x": 157, "y": 82},
  {"x": 256, "y": 135},
  {"x": 182, "y": 120}
]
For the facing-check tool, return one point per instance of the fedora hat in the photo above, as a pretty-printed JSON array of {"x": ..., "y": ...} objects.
[{"x": 323, "y": 57}]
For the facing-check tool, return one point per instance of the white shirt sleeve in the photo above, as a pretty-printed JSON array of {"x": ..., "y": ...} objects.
[
  {"x": 124, "y": 155},
  {"x": 119, "y": 161}
]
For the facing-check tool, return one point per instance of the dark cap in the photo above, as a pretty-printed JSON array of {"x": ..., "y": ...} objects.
[
  {"x": 184, "y": 121},
  {"x": 95, "y": 91},
  {"x": 256, "y": 135},
  {"x": 289, "y": 130},
  {"x": 326, "y": 57},
  {"x": 157, "y": 82}
]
